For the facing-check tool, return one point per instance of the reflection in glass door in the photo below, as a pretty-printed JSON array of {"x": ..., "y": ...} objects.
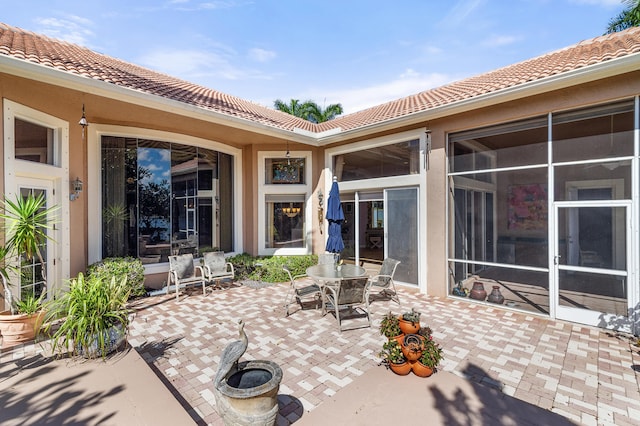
[
  {"x": 383, "y": 224},
  {"x": 591, "y": 262}
]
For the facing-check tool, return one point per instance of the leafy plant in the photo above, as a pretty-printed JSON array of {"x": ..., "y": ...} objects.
[
  {"x": 413, "y": 316},
  {"x": 390, "y": 325},
  {"x": 119, "y": 267},
  {"x": 431, "y": 353},
  {"x": 91, "y": 309},
  {"x": 26, "y": 221},
  {"x": 391, "y": 353},
  {"x": 29, "y": 304},
  {"x": 269, "y": 268}
]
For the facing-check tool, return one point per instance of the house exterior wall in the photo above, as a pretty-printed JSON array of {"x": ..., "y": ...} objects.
[{"x": 66, "y": 104}]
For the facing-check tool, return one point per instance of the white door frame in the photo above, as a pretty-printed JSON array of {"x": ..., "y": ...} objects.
[{"x": 584, "y": 316}]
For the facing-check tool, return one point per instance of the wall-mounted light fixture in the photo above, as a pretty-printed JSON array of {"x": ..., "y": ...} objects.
[
  {"x": 427, "y": 148},
  {"x": 320, "y": 209},
  {"x": 76, "y": 189},
  {"x": 83, "y": 122}
]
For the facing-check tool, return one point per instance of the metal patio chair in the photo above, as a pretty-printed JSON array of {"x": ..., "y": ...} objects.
[
  {"x": 346, "y": 295},
  {"x": 216, "y": 267},
  {"x": 298, "y": 291},
  {"x": 383, "y": 283},
  {"x": 183, "y": 273}
]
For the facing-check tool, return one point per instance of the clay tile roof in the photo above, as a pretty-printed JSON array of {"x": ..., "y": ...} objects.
[
  {"x": 74, "y": 59},
  {"x": 571, "y": 58}
]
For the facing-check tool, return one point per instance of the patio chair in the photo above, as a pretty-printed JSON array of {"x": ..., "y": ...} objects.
[
  {"x": 216, "y": 267},
  {"x": 297, "y": 291},
  {"x": 383, "y": 283},
  {"x": 346, "y": 295},
  {"x": 183, "y": 273}
]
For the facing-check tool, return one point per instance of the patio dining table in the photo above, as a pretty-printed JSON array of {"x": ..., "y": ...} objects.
[{"x": 328, "y": 274}]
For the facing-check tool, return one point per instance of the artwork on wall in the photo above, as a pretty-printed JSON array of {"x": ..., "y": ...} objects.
[{"x": 528, "y": 209}]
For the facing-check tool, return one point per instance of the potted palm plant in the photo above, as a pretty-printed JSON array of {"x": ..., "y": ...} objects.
[
  {"x": 25, "y": 225},
  {"x": 91, "y": 318}
]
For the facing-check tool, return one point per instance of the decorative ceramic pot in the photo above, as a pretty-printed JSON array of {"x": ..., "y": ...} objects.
[
  {"x": 400, "y": 369},
  {"x": 421, "y": 370},
  {"x": 19, "y": 328},
  {"x": 399, "y": 338},
  {"x": 408, "y": 327},
  {"x": 496, "y": 296},
  {"x": 412, "y": 347},
  {"x": 478, "y": 292}
]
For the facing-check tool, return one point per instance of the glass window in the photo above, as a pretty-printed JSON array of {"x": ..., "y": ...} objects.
[
  {"x": 383, "y": 161},
  {"x": 161, "y": 198},
  {"x": 510, "y": 145},
  {"x": 284, "y": 171},
  {"x": 602, "y": 132},
  {"x": 33, "y": 142},
  {"x": 284, "y": 221}
]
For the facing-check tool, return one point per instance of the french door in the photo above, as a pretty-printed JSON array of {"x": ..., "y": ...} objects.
[
  {"x": 35, "y": 274},
  {"x": 592, "y": 262}
]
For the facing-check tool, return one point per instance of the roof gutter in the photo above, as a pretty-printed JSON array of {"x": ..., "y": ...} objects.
[
  {"x": 45, "y": 74},
  {"x": 582, "y": 75}
]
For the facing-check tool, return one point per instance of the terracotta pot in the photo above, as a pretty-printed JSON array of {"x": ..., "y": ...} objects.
[
  {"x": 421, "y": 370},
  {"x": 409, "y": 327},
  {"x": 399, "y": 338},
  {"x": 400, "y": 369},
  {"x": 478, "y": 292},
  {"x": 412, "y": 347},
  {"x": 19, "y": 328}
]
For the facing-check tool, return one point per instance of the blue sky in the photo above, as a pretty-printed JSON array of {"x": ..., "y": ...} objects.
[{"x": 353, "y": 52}]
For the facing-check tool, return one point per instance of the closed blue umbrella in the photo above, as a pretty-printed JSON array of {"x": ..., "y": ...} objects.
[{"x": 335, "y": 216}]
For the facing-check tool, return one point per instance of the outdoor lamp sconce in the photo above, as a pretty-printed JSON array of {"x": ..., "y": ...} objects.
[
  {"x": 320, "y": 209},
  {"x": 83, "y": 122},
  {"x": 76, "y": 189}
]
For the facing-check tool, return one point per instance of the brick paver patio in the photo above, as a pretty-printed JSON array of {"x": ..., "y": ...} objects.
[{"x": 585, "y": 374}]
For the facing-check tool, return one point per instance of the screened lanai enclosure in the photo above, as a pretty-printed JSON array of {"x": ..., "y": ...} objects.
[{"x": 543, "y": 209}]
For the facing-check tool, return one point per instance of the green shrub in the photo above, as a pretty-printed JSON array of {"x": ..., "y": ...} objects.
[
  {"x": 269, "y": 268},
  {"x": 121, "y": 267}
]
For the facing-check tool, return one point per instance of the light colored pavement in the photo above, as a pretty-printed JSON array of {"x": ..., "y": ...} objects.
[
  {"x": 584, "y": 374},
  {"x": 501, "y": 367}
]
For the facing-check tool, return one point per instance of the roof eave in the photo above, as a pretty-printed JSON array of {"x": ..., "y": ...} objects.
[
  {"x": 45, "y": 74},
  {"x": 581, "y": 75}
]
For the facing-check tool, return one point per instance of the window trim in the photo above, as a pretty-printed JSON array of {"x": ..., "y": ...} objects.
[
  {"x": 293, "y": 189},
  {"x": 94, "y": 197}
]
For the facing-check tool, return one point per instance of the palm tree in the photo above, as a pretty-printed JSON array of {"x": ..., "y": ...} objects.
[
  {"x": 317, "y": 114},
  {"x": 294, "y": 107},
  {"x": 629, "y": 17},
  {"x": 309, "y": 110}
]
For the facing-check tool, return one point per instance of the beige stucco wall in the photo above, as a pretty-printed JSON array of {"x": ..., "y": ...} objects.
[{"x": 66, "y": 104}]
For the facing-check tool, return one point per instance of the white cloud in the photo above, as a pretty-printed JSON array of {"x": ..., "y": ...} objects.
[
  {"x": 460, "y": 11},
  {"x": 200, "y": 66},
  {"x": 410, "y": 82},
  {"x": 500, "y": 40},
  {"x": 261, "y": 55},
  {"x": 71, "y": 28}
]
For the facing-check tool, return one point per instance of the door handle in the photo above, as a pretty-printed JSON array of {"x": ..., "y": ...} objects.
[{"x": 556, "y": 259}]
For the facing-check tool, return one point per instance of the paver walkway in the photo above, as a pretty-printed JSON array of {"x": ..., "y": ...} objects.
[{"x": 588, "y": 375}]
